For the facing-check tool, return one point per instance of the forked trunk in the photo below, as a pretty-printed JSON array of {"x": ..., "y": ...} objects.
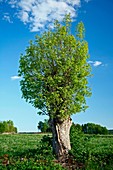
[{"x": 61, "y": 136}]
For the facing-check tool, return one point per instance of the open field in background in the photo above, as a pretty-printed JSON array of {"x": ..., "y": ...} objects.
[
  {"x": 18, "y": 143},
  {"x": 28, "y": 151}
]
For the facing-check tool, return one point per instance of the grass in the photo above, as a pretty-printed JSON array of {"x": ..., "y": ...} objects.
[
  {"x": 26, "y": 152},
  {"x": 13, "y": 144},
  {"x": 34, "y": 151},
  {"x": 100, "y": 151},
  {"x": 94, "y": 151}
]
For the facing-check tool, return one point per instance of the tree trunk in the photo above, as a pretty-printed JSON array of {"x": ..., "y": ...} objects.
[{"x": 61, "y": 136}]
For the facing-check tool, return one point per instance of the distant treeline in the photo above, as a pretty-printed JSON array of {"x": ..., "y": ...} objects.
[
  {"x": 7, "y": 127},
  {"x": 89, "y": 128},
  {"x": 111, "y": 131},
  {"x": 92, "y": 128}
]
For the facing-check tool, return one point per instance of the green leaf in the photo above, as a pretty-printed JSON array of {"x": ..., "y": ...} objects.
[{"x": 54, "y": 71}]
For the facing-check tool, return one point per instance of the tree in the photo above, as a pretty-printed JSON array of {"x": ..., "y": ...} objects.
[
  {"x": 44, "y": 126},
  {"x": 7, "y": 126},
  {"x": 91, "y": 128},
  {"x": 2, "y": 128},
  {"x": 54, "y": 73},
  {"x": 40, "y": 126},
  {"x": 10, "y": 126}
]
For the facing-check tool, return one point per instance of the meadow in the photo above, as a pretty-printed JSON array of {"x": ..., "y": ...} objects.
[
  {"x": 94, "y": 151},
  {"x": 34, "y": 151}
]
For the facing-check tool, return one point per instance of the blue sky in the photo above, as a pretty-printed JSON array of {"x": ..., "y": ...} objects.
[{"x": 21, "y": 20}]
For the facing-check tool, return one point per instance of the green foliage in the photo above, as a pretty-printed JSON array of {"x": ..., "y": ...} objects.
[
  {"x": 80, "y": 31},
  {"x": 91, "y": 128},
  {"x": 7, "y": 126},
  {"x": 27, "y": 152},
  {"x": 110, "y": 131},
  {"x": 2, "y": 128},
  {"x": 44, "y": 126},
  {"x": 54, "y": 71},
  {"x": 34, "y": 152},
  {"x": 94, "y": 151},
  {"x": 100, "y": 153},
  {"x": 78, "y": 143}
]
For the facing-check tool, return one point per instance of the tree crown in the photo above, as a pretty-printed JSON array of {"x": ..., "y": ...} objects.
[{"x": 54, "y": 71}]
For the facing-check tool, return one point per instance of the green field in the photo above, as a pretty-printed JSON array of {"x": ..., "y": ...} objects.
[
  {"x": 28, "y": 151},
  {"x": 17, "y": 144},
  {"x": 94, "y": 151}
]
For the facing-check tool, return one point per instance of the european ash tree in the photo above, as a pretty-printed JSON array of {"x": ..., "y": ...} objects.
[{"x": 55, "y": 73}]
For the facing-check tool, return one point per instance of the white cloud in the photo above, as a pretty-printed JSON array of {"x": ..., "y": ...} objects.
[
  {"x": 15, "y": 77},
  {"x": 13, "y": 3},
  {"x": 90, "y": 62},
  {"x": 96, "y": 63},
  {"x": 6, "y": 17},
  {"x": 39, "y": 14},
  {"x": 24, "y": 16}
]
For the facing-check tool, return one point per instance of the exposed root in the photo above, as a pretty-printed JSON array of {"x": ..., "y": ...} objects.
[{"x": 69, "y": 163}]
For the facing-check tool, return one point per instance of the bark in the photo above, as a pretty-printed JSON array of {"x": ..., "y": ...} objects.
[{"x": 61, "y": 136}]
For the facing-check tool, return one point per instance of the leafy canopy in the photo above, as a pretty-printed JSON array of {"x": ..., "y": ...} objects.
[{"x": 54, "y": 71}]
